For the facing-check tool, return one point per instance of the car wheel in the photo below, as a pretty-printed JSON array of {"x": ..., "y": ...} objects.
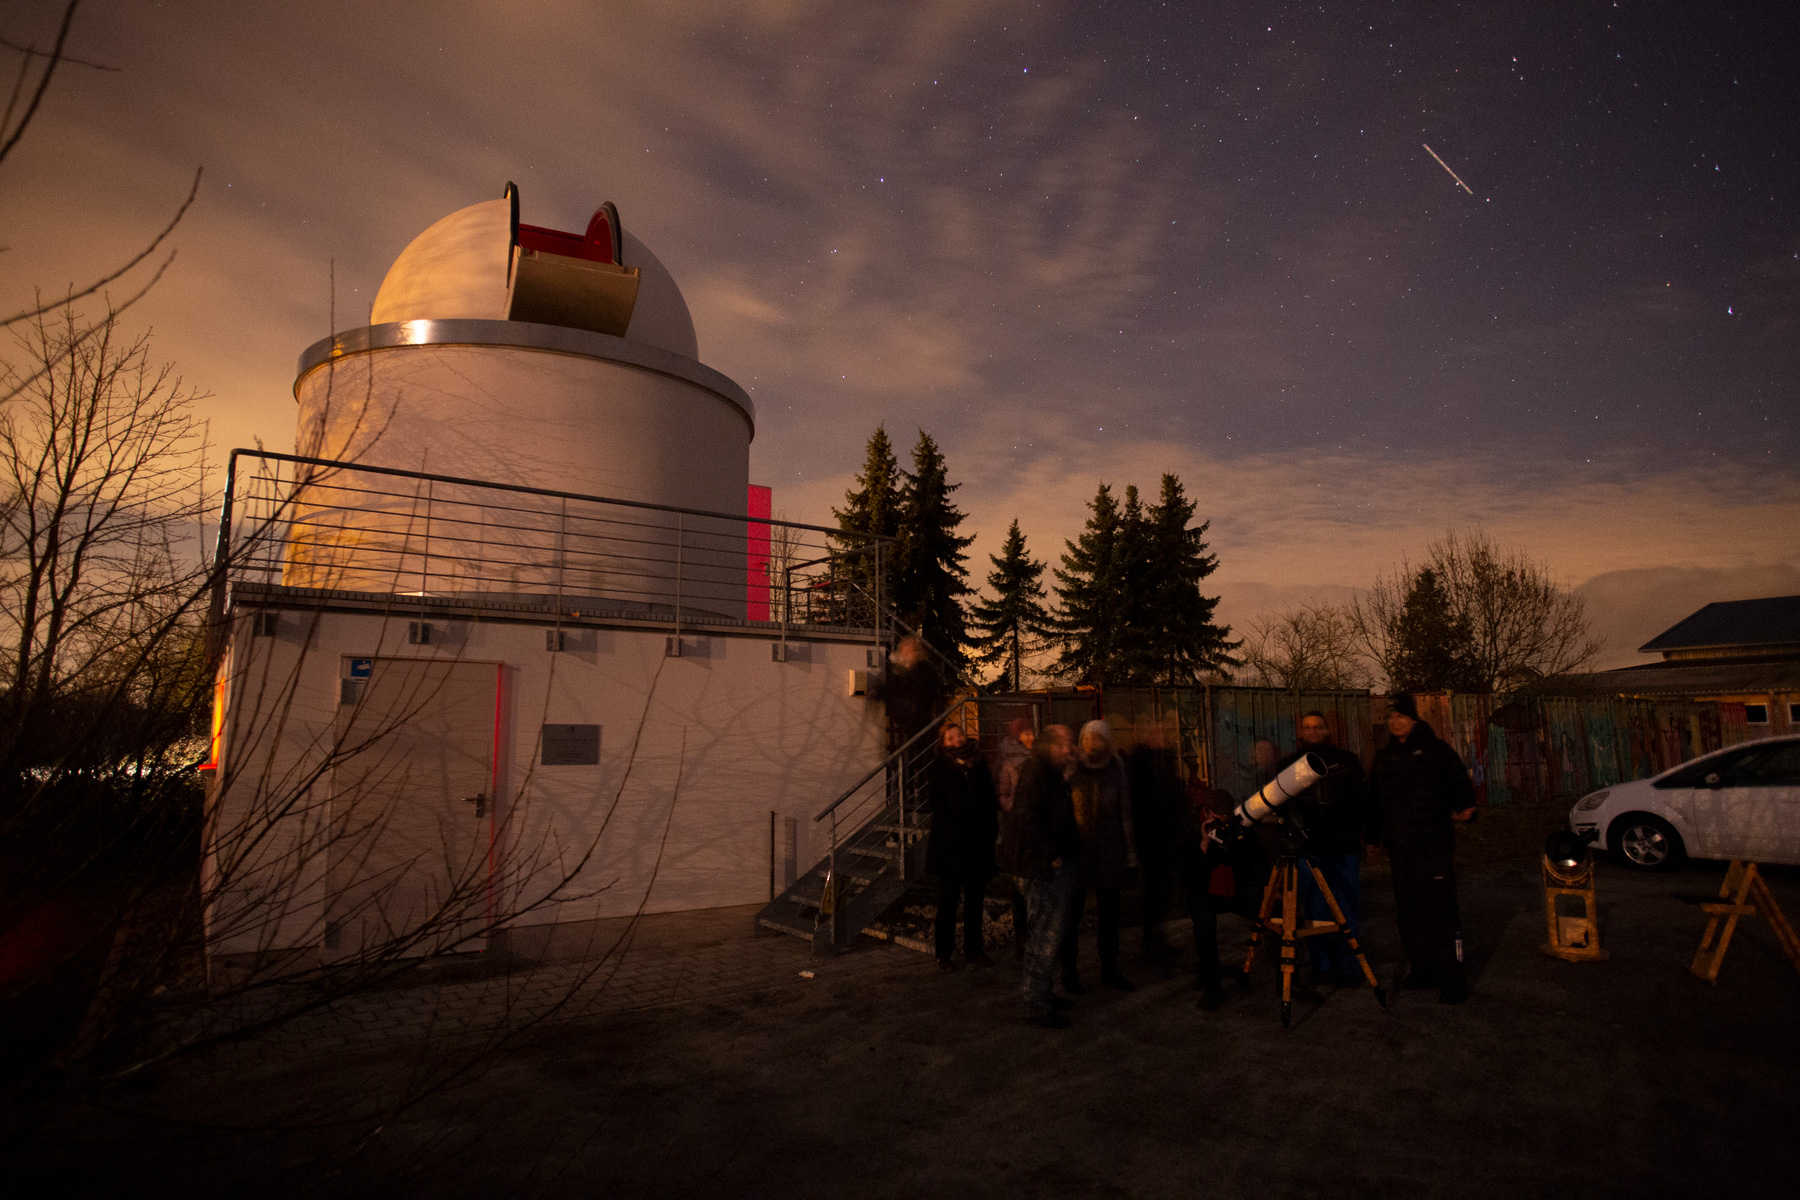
[{"x": 1646, "y": 842}]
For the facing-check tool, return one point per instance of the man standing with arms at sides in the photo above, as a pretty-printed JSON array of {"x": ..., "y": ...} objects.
[
  {"x": 1040, "y": 846},
  {"x": 1102, "y": 795},
  {"x": 1158, "y": 811},
  {"x": 1336, "y": 820},
  {"x": 1420, "y": 786}
]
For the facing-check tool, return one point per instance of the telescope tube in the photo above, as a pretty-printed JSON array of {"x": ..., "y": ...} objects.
[{"x": 1301, "y": 774}]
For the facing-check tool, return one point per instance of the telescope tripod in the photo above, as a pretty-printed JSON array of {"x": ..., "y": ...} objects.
[{"x": 1284, "y": 888}]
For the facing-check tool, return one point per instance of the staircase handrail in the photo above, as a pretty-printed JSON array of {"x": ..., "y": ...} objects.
[{"x": 930, "y": 728}]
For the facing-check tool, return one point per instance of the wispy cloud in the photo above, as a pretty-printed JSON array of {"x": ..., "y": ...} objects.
[{"x": 985, "y": 220}]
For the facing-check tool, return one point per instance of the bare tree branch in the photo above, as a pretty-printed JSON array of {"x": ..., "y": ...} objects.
[
  {"x": 146, "y": 252},
  {"x": 43, "y": 85}
]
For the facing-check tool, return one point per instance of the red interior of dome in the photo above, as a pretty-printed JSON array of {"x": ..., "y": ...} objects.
[{"x": 596, "y": 246}]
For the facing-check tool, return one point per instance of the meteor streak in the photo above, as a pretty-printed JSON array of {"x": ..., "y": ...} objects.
[{"x": 1440, "y": 162}]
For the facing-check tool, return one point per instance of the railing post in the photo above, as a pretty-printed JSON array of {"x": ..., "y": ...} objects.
[
  {"x": 215, "y": 604},
  {"x": 787, "y": 584},
  {"x": 562, "y": 549},
  {"x": 831, "y": 885},
  {"x": 901, "y": 800},
  {"x": 678, "y": 530},
  {"x": 425, "y": 559}
]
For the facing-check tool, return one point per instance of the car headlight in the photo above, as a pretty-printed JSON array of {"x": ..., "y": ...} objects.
[{"x": 1594, "y": 801}]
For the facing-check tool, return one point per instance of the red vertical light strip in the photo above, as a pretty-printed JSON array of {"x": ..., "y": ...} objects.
[{"x": 756, "y": 567}]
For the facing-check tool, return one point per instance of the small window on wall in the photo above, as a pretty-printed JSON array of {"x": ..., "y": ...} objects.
[
  {"x": 1794, "y": 714},
  {"x": 1756, "y": 714}
]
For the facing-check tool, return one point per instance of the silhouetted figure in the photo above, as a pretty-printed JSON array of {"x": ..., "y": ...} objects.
[
  {"x": 965, "y": 821},
  {"x": 1102, "y": 796},
  {"x": 913, "y": 692},
  {"x": 1420, "y": 786},
  {"x": 1336, "y": 817},
  {"x": 1158, "y": 810}
]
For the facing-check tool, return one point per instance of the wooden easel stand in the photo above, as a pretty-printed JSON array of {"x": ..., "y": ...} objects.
[{"x": 1743, "y": 894}]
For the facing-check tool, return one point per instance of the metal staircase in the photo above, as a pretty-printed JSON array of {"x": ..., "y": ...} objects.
[{"x": 877, "y": 851}]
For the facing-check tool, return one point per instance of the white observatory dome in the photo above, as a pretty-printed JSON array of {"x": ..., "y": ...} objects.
[
  {"x": 459, "y": 269},
  {"x": 523, "y": 357}
]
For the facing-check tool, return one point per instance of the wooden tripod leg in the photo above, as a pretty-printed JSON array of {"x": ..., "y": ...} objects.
[
  {"x": 1290, "y": 920},
  {"x": 1337, "y": 914},
  {"x": 1270, "y": 891}
]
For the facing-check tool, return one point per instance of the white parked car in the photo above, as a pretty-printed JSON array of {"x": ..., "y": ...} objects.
[{"x": 1740, "y": 802}]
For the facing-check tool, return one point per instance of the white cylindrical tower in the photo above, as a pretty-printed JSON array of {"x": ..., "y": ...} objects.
[{"x": 600, "y": 392}]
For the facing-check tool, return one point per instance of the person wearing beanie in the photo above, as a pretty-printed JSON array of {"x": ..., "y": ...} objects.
[
  {"x": 1102, "y": 797},
  {"x": 1419, "y": 787}
]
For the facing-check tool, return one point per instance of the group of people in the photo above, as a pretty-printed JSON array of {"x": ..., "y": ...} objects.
[{"x": 1066, "y": 815}]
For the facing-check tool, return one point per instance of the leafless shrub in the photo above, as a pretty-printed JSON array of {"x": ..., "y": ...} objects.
[
  {"x": 1310, "y": 648},
  {"x": 1515, "y": 622}
]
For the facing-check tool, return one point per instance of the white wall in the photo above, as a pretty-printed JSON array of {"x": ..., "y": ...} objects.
[
  {"x": 519, "y": 417},
  {"x": 759, "y": 736}
]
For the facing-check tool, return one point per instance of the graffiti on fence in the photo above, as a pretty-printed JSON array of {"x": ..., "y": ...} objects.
[{"x": 1517, "y": 748}]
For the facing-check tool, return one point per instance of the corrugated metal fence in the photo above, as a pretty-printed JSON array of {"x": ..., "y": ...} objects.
[{"x": 1518, "y": 749}]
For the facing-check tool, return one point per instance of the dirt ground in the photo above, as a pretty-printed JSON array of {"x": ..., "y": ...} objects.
[{"x": 880, "y": 1077}]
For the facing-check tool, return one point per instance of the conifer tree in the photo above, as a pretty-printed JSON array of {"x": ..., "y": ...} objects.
[
  {"x": 1431, "y": 648},
  {"x": 1135, "y": 575},
  {"x": 872, "y": 508},
  {"x": 1174, "y": 637},
  {"x": 1015, "y": 622},
  {"x": 1090, "y": 599},
  {"x": 929, "y": 579}
]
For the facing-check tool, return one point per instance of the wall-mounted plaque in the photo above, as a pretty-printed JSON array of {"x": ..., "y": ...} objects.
[{"x": 571, "y": 745}]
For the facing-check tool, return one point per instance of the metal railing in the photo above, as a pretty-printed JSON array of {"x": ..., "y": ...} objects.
[
  {"x": 881, "y": 815},
  {"x": 323, "y": 524}
]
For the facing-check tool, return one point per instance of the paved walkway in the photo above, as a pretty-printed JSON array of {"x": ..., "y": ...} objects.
[{"x": 508, "y": 1004}]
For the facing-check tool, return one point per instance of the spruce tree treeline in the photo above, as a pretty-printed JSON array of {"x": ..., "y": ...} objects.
[
  {"x": 925, "y": 575},
  {"x": 1132, "y": 608},
  {"x": 1130, "y": 605}
]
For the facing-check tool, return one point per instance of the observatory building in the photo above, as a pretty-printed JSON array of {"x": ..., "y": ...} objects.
[{"x": 510, "y": 649}]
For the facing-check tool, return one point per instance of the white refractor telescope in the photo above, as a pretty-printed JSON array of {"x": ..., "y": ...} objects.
[{"x": 1300, "y": 774}]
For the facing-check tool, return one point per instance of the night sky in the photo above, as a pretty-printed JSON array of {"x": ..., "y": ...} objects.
[{"x": 1074, "y": 242}]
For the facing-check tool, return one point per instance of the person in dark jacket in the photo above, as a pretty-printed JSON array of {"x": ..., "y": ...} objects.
[
  {"x": 1040, "y": 847},
  {"x": 913, "y": 692},
  {"x": 1420, "y": 786},
  {"x": 1208, "y": 871},
  {"x": 1102, "y": 794},
  {"x": 965, "y": 820},
  {"x": 1335, "y": 816},
  {"x": 1158, "y": 809}
]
